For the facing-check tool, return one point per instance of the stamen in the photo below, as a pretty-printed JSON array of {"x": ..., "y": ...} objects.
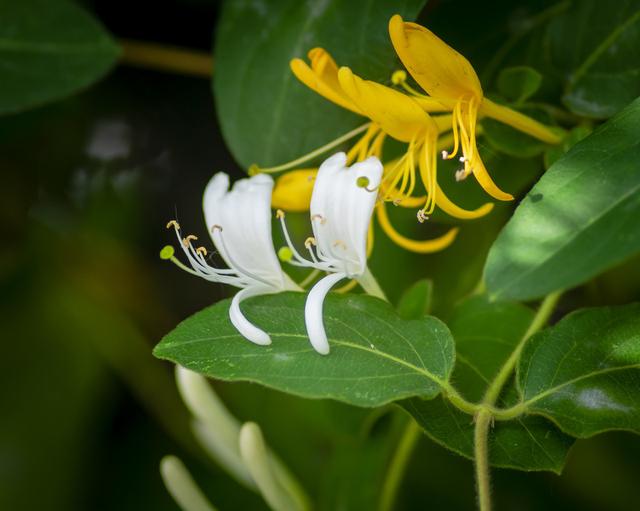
[
  {"x": 187, "y": 241},
  {"x": 422, "y": 216},
  {"x": 255, "y": 169},
  {"x": 173, "y": 223},
  {"x": 279, "y": 214},
  {"x": 202, "y": 251},
  {"x": 317, "y": 216},
  {"x": 461, "y": 175},
  {"x": 445, "y": 155},
  {"x": 310, "y": 241},
  {"x": 216, "y": 227}
]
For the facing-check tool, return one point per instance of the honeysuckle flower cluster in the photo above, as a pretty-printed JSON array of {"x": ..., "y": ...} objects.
[
  {"x": 442, "y": 122},
  {"x": 239, "y": 221}
]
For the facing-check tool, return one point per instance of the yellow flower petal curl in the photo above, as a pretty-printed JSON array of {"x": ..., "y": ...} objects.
[
  {"x": 418, "y": 246},
  {"x": 439, "y": 69},
  {"x": 322, "y": 77},
  {"x": 396, "y": 113}
]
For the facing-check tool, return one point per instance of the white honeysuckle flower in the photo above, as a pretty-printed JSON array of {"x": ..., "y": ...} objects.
[
  {"x": 239, "y": 221},
  {"x": 342, "y": 203}
]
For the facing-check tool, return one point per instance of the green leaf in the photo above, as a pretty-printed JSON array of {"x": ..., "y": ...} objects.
[
  {"x": 578, "y": 220},
  {"x": 554, "y": 153},
  {"x": 416, "y": 301},
  {"x": 376, "y": 357},
  {"x": 528, "y": 443},
  {"x": 519, "y": 83},
  {"x": 49, "y": 50},
  {"x": 584, "y": 373},
  {"x": 597, "y": 43},
  {"x": 486, "y": 333},
  {"x": 267, "y": 116}
]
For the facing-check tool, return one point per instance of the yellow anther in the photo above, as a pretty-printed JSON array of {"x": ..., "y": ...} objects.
[
  {"x": 173, "y": 223},
  {"x": 309, "y": 241},
  {"x": 186, "y": 241},
  {"x": 318, "y": 217},
  {"x": 253, "y": 170},
  {"x": 201, "y": 250},
  {"x": 422, "y": 216},
  {"x": 399, "y": 77},
  {"x": 279, "y": 214}
]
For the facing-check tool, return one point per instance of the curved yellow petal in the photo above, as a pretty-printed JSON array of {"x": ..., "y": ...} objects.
[
  {"x": 431, "y": 105},
  {"x": 445, "y": 204},
  {"x": 322, "y": 77},
  {"x": 396, "y": 113},
  {"x": 292, "y": 191},
  {"x": 439, "y": 69},
  {"x": 418, "y": 246},
  {"x": 483, "y": 177}
]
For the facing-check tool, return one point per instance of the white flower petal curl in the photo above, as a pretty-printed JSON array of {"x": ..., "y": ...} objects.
[
  {"x": 239, "y": 222},
  {"x": 313, "y": 311},
  {"x": 243, "y": 325}
]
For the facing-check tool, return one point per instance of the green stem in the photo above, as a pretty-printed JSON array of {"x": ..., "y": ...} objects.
[
  {"x": 485, "y": 416},
  {"x": 398, "y": 465},
  {"x": 481, "y": 451},
  {"x": 539, "y": 320},
  {"x": 169, "y": 59}
]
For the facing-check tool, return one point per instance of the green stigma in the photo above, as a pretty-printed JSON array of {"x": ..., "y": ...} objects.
[
  {"x": 362, "y": 181},
  {"x": 285, "y": 254},
  {"x": 167, "y": 252}
]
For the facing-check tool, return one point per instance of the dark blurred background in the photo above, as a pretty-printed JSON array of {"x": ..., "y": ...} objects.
[{"x": 88, "y": 185}]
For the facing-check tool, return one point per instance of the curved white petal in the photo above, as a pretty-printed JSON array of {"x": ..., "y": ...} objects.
[
  {"x": 361, "y": 202},
  {"x": 345, "y": 210},
  {"x": 313, "y": 312},
  {"x": 215, "y": 190},
  {"x": 323, "y": 201},
  {"x": 244, "y": 215},
  {"x": 243, "y": 325}
]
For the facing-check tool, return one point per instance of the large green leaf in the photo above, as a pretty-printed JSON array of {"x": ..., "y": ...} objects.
[
  {"x": 267, "y": 116},
  {"x": 486, "y": 333},
  {"x": 48, "y": 50},
  {"x": 597, "y": 45},
  {"x": 579, "y": 219},
  {"x": 375, "y": 358},
  {"x": 527, "y": 443},
  {"x": 584, "y": 373}
]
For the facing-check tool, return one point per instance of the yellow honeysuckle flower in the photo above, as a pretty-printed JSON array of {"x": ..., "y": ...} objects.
[
  {"x": 292, "y": 191},
  {"x": 449, "y": 78},
  {"x": 393, "y": 114}
]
